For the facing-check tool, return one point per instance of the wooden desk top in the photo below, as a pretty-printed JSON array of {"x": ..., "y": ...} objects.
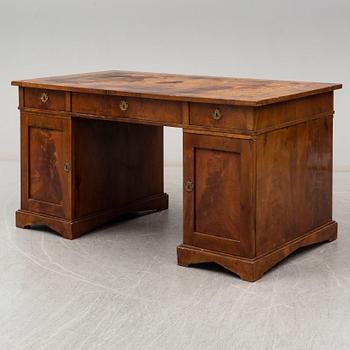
[{"x": 235, "y": 91}]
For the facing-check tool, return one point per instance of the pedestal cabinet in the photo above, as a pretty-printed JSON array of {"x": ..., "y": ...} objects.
[
  {"x": 78, "y": 173},
  {"x": 249, "y": 203}
]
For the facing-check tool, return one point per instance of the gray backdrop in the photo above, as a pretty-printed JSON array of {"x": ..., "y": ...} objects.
[{"x": 276, "y": 39}]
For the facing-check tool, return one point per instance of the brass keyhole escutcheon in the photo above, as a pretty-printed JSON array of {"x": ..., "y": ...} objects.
[
  {"x": 44, "y": 97},
  {"x": 123, "y": 105},
  {"x": 189, "y": 186},
  {"x": 216, "y": 114},
  {"x": 66, "y": 167}
]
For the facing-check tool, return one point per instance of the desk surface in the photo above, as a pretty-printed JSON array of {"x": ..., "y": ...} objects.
[{"x": 235, "y": 91}]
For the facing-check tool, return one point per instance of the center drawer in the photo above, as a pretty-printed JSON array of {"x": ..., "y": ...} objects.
[{"x": 127, "y": 107}]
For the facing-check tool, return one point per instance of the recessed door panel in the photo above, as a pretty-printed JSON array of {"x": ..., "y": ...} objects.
[
  {"x": 46, "y": 165},
  {"x": 217, "y": 193}
]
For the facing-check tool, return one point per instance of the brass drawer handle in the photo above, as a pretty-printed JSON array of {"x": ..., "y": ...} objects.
[
  {"x": 189, "y": 186},
  {"x": 123, "y": 105},
  {"x": 216, "y": 114},
  {"x": 44, "y": 97}
]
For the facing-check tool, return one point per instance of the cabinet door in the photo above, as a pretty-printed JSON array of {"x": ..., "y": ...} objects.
[
  {"x": 218, "y": 194},
  {"x": 45, "y": 164}
]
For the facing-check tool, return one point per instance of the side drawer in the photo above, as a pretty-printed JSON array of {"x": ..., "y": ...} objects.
[
  {"x": 45, "y": 99},
  {"x": 128, "y": 107},
  {"x": 222, "y": 116}
]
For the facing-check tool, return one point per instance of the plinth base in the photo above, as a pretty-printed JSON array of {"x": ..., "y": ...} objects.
[
  {"x": 75, "y": 228},
  {"x": 253, "y": 269}
]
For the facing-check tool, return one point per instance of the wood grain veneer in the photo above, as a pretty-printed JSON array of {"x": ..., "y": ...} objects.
[{"x": 248, "y": 92}]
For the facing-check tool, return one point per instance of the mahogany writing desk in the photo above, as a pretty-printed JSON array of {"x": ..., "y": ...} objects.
[{"x": 257, "y": 160}]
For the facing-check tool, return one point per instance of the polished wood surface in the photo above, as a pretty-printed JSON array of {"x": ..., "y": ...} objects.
[
  {"x": 294, "y": 182},
  {"x": 257, "y": 160},
  {"x": 33, "y": 98},
  {"x": 125, "y": 167},
  {"x": 218, "y": 212},
  {"x": 45, "y": 186},
  {"x": 237, "y": 118},
  {"x": 248, "y": 92},
  {"x": 253, "y": 269},
  {"x": 137, "y": 108},
  {"x": 284, "y": 114}
]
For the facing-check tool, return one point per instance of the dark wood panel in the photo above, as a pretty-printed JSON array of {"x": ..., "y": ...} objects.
[
  {"x": 45, "y": 147},
  {"x": 284, "y": 113},
  {"x": 45, "y": 99},
  {"x": 46, "y": 175},
  {"x": 252, "y": 92},
  {"x": 217, "y": 193},
  {"x": 219, "y": 212},
  {"x": 294, "y": 182},
  {"x": 115, "y": 164},
  {"x": 143, "y": 109}
]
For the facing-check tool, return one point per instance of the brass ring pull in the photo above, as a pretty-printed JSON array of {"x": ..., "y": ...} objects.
[
  {"x": 189, "y": 186},
  {"x": 123, "y": 105},
  {"x": 216, "y": 114},
  {"x": 44, "y": 97}
]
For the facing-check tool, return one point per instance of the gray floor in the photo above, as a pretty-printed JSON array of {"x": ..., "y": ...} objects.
[{"x": 120, "y": 288}]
